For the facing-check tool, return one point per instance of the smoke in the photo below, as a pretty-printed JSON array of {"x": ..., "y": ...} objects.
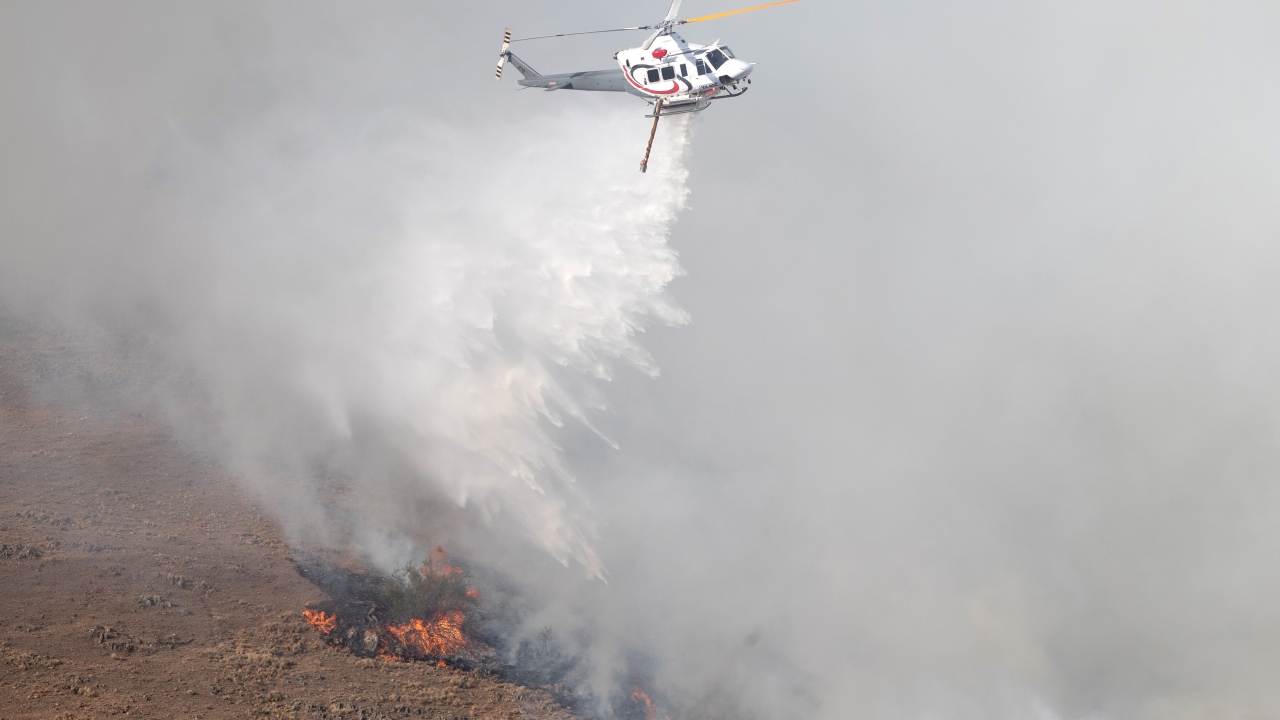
[
  {"x": 376, "y": 305},
  {"x": 392, "y": 322},
  {"x": 407, "y": 299},
  {"x": 977, "y": 415}
]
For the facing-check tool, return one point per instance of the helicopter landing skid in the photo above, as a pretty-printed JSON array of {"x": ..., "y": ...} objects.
[
  {"x": 731, "y": 91},
  {"x": 681, "y": 107},
  {"x": 677, "y": 110},
  {"x": 698, "y": 104}
]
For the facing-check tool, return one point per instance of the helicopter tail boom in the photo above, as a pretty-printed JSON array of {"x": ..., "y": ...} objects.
[{"x": 528, "y": 72}]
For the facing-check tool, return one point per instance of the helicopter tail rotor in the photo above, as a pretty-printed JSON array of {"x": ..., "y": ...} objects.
[{"x": 502, "y": 56}]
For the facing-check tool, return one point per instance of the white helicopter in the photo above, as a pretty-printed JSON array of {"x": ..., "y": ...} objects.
[{"x": 673, "y": 75}]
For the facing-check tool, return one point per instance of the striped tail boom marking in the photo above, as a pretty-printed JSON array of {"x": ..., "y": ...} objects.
[{"x": 502, "y": 57}]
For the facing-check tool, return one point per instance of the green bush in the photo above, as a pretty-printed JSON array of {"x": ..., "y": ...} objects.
[{"x": 423, "y": 592}]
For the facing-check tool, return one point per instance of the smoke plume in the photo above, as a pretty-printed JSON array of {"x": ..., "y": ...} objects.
[{"x": 975, "y": 417}]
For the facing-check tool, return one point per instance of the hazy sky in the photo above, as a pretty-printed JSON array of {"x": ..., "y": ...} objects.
[{"x": 935, "y": 377}]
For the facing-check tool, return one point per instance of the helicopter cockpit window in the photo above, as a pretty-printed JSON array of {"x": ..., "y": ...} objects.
[
  {"x": 702, "y": 68},
  {"x": 669, "y": 72},
  {"x": 725, "y": 49},
  {"x": 716, "y": 58}
]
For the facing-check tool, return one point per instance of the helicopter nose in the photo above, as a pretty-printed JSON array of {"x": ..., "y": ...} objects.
[{"x": 739, "y": 69}]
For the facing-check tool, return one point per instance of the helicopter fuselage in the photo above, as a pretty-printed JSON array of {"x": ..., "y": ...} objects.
[
  {"x": 675, "y": 70},
  {"x": 684, "y": 76},
  {"x": 673, "y": 75}
]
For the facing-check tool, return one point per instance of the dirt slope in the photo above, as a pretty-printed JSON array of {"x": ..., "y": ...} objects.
[{"x": 135, "y": 579}]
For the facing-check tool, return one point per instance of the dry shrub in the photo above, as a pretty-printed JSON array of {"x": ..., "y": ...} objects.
[
  {"x": 27, "y": 661},
  {"x": 424, "y": 592}
]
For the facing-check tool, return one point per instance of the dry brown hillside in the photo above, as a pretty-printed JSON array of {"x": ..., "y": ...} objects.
[{"x": 135, "y": 579}]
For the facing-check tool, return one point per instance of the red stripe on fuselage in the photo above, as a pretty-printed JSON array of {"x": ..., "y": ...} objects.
[{"x": 675, "y": 85}]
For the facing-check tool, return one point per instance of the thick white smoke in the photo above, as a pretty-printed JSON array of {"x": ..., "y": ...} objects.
[
  {"x": 392, "y": 323},
  {"x": 978, "y": 417},
  {"x": 456, "y": 295}
]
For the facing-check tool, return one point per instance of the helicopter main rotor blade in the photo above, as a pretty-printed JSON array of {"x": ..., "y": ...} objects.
[
  {"x": 735, "y": 12},
  {"x": 671, "y": 13},
  {"x": 588, "y": 32}
]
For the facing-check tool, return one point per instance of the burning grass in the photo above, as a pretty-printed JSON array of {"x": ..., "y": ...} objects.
[
  {"x": 641, "y": 700},
  {"x": 421, "y": 614}
]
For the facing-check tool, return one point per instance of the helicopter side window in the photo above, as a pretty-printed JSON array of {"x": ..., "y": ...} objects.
[
  {"x": 701, "y": 67},
  {"x": 684, "y": 70},
  {"x": 669, "y": 72},
  {"x": 653, "y": 75},
  {"x": 716, "y": 58}
]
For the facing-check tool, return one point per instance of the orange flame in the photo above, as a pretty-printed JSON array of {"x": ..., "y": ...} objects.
[
  {"x": 442, "y": 635},
  {"x": 650, "y": 710},
  {"x": 437, "y": 564},
  {"x": 322, "y": 621}
]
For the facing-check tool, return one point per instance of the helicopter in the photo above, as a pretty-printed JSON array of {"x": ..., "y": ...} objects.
[{"x": 670, "y": 73}]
